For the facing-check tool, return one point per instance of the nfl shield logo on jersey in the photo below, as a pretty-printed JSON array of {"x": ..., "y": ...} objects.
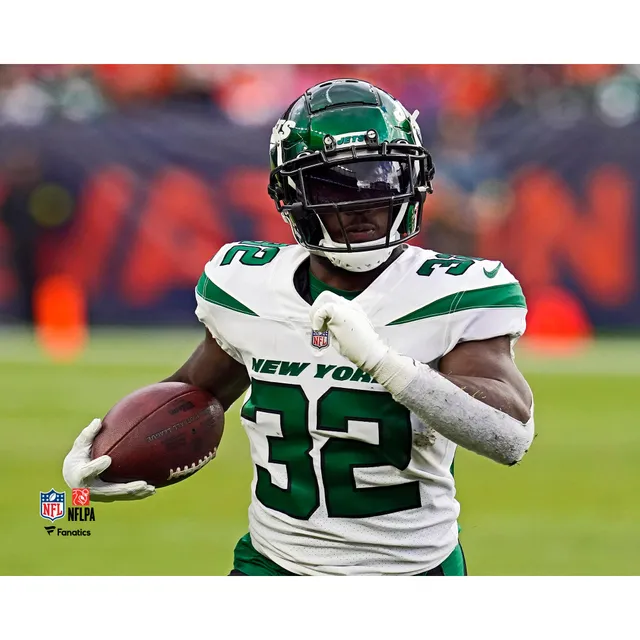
[
  {"x": 320, "y": 339},
  {"x": 52, "y": 505}
]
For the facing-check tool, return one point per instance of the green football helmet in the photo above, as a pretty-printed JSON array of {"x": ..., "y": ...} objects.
[{"x": 346, "y": 146}]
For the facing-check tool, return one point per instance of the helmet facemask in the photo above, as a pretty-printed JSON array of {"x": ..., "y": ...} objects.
[{"x": 344, "y": 182}]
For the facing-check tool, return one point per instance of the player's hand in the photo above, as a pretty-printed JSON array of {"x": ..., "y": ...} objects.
[
  {"x": 351, "y": 330},
  {"x": 79, "y": 470}
]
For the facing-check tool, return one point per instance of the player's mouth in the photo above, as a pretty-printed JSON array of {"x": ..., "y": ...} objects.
[{"x": 361, "y": 232}]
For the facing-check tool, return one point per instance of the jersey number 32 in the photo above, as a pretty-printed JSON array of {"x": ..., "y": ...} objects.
[{"x": 339, "y": 457}]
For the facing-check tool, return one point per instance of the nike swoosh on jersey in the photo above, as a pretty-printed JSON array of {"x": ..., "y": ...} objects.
[{"x": 493, "y": 272}]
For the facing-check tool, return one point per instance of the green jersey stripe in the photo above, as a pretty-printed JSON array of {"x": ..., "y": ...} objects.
[
  {"x": 496, "y": 297},
  {"x": 211, "y": 292}
]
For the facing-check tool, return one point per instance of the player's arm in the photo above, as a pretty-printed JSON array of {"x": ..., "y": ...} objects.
[
  {"x": 486, "y": 371},
  {"x": 208, "y": 367},
  {"x": 212, "y": 369},
  {"x": 484, "y": 407},
  {"x": 497, "y": 423}
]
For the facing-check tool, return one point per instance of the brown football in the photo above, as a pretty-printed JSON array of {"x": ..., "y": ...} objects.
[{"x": 162, "y": 434}]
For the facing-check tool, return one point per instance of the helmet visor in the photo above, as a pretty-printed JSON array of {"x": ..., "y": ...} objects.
[{"x": 355, "y": 181}]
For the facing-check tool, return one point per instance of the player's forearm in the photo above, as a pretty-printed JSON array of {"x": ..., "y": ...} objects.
[
  {"x": 452, "y": 410},
  {"x": 495, "y": 393}
]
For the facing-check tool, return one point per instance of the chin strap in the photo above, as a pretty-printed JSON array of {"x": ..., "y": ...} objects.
[{"x": 359, "y": 261}]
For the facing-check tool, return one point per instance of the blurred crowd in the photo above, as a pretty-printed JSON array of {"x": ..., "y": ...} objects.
[
  {"x": 258, "y": 94},
  {"x": 454, "y": 101}
]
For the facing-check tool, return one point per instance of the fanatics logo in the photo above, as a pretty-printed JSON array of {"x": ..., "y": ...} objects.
[
  {"x": 80, "y": 497},
  {"x": 320, "y": 339}
]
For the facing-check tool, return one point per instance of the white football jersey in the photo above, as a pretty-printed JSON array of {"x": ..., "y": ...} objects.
[{"x": 346, "y": 480}]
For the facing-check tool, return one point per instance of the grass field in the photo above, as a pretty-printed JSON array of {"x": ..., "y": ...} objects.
[{"x": 571, "y": 507}]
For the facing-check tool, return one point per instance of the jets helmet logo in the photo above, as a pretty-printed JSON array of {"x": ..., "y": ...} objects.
[{"x": 281, "y": 131}]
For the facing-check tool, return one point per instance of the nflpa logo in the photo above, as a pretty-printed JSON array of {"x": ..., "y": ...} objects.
[{"x": 80, "y": 497}]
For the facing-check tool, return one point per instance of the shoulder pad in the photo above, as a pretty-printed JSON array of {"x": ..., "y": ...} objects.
[
  {"x": 241, "y": 275},
  {"x": 251, "y": 253},
  {"x": 472, "y": 298}
]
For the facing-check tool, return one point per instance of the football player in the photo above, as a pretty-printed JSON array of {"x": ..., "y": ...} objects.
[{"x": 365, "y": 360}]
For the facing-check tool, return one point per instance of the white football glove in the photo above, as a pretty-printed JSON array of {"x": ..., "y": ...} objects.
[
  {"x": 79, "y": 470},
  {"x": 356, "y": 339},
  {"x": 352, "y": 332}
]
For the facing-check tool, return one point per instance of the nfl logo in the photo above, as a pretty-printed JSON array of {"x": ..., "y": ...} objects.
[
  {"x": 320, "y": 339},
  {"x": 52, "y": 505},
  {"x": 80, "y": 497}
]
